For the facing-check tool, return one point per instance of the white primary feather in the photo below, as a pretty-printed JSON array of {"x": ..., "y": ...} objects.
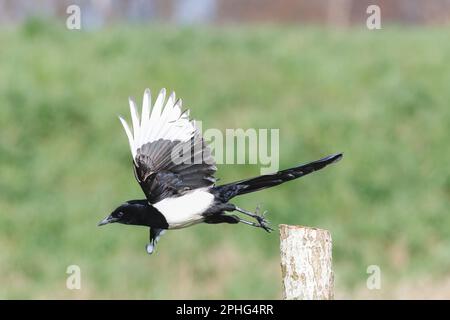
[
  {"x": 160, "y": 122},
  {"x": 146, "y": 102},
  {"x": 134, "y": 121}
]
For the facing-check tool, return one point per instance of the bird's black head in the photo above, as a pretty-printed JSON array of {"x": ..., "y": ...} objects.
[
  {"x": 127, "y": 213},
  {"x": 138, "y": 213}
]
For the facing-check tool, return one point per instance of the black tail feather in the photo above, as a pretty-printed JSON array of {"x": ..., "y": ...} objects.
[{"x": 227, "y": 191}]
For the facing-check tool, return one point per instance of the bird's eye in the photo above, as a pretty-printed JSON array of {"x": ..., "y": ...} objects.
[{"x": 119, "y": 214}]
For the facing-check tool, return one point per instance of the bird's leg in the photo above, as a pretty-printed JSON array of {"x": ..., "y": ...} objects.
[
  {"x": 258, "y": 224},
  {"x": 256, "y": 215},
  {"x": 155, "y": 234},
  {"x": 262, "y": 221}
]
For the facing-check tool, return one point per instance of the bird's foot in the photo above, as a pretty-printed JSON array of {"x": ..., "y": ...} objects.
[
  {"x": 262, "y": 221},
  {"x": 150, "y": 247},
  {"x": 155, "y": 234}
]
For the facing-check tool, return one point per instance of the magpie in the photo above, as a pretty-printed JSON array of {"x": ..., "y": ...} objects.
[{"x": 180, "y": 191}]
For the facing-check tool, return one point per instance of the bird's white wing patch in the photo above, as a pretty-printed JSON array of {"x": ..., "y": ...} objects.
[
  {"x": 185, "y": 210},
  {"x": 160, "y": 122}
]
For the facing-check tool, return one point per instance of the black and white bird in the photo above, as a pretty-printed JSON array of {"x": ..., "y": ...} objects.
[{"x": 183, "y": 193}]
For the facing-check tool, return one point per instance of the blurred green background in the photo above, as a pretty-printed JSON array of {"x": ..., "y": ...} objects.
[{"x": 382, "y": 98}]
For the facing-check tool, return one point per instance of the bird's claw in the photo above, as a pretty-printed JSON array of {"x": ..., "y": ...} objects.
[{"x": 262, "y": 221}]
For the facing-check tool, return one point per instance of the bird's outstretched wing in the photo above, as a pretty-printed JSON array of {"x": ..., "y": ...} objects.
[{"x": 169, "y": 154}]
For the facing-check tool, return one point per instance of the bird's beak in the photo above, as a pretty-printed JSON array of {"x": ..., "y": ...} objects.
[{"x": 107, "y": 220}]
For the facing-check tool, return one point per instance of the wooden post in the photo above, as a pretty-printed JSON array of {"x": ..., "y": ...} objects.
[{"x": 306, "y": 263}]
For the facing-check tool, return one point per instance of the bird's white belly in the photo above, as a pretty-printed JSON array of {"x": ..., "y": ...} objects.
[{"x": 186, "y": 210}]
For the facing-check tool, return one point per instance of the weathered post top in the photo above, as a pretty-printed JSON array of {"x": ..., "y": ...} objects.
[{"x": 306, "y": 263}]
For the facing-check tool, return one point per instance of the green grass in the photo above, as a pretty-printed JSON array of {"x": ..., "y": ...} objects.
[{"x": 380, "y": 97}]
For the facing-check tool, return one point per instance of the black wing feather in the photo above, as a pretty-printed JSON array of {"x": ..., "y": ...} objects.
[{"x": 162, "y": 176}]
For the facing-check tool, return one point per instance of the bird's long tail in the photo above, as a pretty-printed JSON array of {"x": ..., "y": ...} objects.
[{"x": 227, "y": 191}]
